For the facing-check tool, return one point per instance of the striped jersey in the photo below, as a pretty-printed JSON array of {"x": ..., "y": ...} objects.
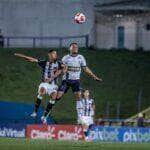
[
  {"x": 87, "y": 107},
  {"x": 49, "y": 69}
]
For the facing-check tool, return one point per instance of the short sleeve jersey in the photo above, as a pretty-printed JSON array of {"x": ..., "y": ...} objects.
[
  {"x": 49, "y": 69},
  {"x": 74, "y": 64},
  {"x": 87, "y": 107}
]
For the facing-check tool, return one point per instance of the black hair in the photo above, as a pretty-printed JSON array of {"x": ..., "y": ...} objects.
[
  {"x": 51, "y": 50},
  {"x": 90, "y": 95},
  {"x": 73, "y": 44}
]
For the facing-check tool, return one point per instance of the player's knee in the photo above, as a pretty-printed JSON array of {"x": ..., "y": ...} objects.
[
  {"x": 54, "y": 96},
  {"x": 59, "y": 95},
  {"x": 42, "y": 91}
]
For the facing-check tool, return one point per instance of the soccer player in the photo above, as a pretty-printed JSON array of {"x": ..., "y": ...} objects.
[
  {"x": 51, "y": 69},
  {"x": 71, "y": 79},
  {"x": 87, "y": 111}
]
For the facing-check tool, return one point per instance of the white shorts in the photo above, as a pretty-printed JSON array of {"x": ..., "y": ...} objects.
[
  {"x": 86, "y": 120},
  {"x": 50, "y": 88}
]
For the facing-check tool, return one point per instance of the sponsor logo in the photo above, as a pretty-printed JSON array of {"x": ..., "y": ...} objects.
[
  {"x": 130, "y": 136},
  {"x": 104, "y": 135},
  {"x": 66, "y": 135},
  {"x": 60, "y": 132},
  {"x": 121, "y": 134},
  {"x": 38, "y": 134},
  {"x": 10, "y": 132}
]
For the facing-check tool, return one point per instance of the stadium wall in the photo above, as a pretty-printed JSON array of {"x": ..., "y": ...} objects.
[
  {"x": 38, "y": 18},
  {"x": 136, "y": 34}
]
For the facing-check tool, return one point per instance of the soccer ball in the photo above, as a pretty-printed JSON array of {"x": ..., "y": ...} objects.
[{"x": 79, "y": 18}]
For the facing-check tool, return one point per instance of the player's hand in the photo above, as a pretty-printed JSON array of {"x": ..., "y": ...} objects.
[{"x": 98, "y": 79}]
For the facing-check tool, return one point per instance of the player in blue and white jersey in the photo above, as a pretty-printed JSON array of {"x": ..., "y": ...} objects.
[{"x": 51, "y": 69}]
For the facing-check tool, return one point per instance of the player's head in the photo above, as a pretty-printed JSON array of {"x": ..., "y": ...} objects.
[
  {"x": 52, "y": 54},
  {"x": 86, "y": 93},
  {"x": 73, "y": 48}
]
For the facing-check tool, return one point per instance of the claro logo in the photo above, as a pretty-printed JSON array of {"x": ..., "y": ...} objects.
[
  {"x": 49, "y": 134},
  {"x": 66, "y": 135},
  {"x": 57, "y": 132}
]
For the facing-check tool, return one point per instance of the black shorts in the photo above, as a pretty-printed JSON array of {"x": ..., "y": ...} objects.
[{"x": 66, "y": 84}]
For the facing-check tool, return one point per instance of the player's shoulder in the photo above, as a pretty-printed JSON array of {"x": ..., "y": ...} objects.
[
  {"x": 59, "y": 61},
  {"x": 66, "y": 56},
  {"x": 42, "y": 61},
  {"x": 80, "y": 56},
  {"x": 92, "y": 100}
]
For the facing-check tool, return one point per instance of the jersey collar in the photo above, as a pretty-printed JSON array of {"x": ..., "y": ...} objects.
[{"x": 73, "y": 56}]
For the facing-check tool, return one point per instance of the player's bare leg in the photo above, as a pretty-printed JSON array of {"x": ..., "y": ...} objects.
[
  {"x": 49, "y": 107},
  {"x": 41, "y": 93},
  {"x": 59, "y": 95}
]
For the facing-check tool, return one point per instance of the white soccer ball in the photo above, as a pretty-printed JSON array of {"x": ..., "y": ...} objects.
[{"x": 79, "y": 18}]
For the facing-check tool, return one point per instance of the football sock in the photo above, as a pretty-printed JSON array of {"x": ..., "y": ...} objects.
[
  {"x": 49, "y": 107},
  {"x": 86, "y": 133},
  {"x": 37, "y": 103},
  {"x": 79, "y": 108}
]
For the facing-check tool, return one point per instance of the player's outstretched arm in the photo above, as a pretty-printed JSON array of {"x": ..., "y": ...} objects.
[
  {"x": 90, "y": 73},
  {"x": 31, "y": 59}
]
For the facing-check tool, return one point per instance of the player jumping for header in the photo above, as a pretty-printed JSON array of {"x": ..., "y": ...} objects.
[
  {"x": 51, "y": 69},
  {"x": 74, "y": 63}
]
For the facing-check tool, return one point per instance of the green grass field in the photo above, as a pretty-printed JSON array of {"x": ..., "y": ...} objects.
[
  {"x": 124, "y": 74},
  {"x": 24, "y": 144}
]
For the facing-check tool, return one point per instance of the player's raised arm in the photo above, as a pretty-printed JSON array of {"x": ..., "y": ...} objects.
[
  {"x": 31, "y": 59},
  {"x": 90, "y": 73}
]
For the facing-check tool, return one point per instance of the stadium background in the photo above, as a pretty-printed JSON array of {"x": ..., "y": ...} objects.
[{"x": 114, "y": 40}]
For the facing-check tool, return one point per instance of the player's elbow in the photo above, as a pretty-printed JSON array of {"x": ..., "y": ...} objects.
[{"x": 85, "y": 69}]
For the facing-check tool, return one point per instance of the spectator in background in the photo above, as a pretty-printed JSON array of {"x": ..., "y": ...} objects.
[
  {"x": 110, "y": 123},
  {"x": 100, "y": 122},
  {"x": 122, "y": 123},
  {"x": 140, "y": 120},
  {"x": 1, "y": 39}
]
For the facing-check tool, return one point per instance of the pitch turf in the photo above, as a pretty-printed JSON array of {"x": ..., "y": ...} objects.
[{"x": 24, "y": 144}]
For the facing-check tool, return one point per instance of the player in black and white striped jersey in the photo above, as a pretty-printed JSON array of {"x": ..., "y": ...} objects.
[
  {"x": 87, "y": 111},
  {"x": 51, "y": 69}
]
